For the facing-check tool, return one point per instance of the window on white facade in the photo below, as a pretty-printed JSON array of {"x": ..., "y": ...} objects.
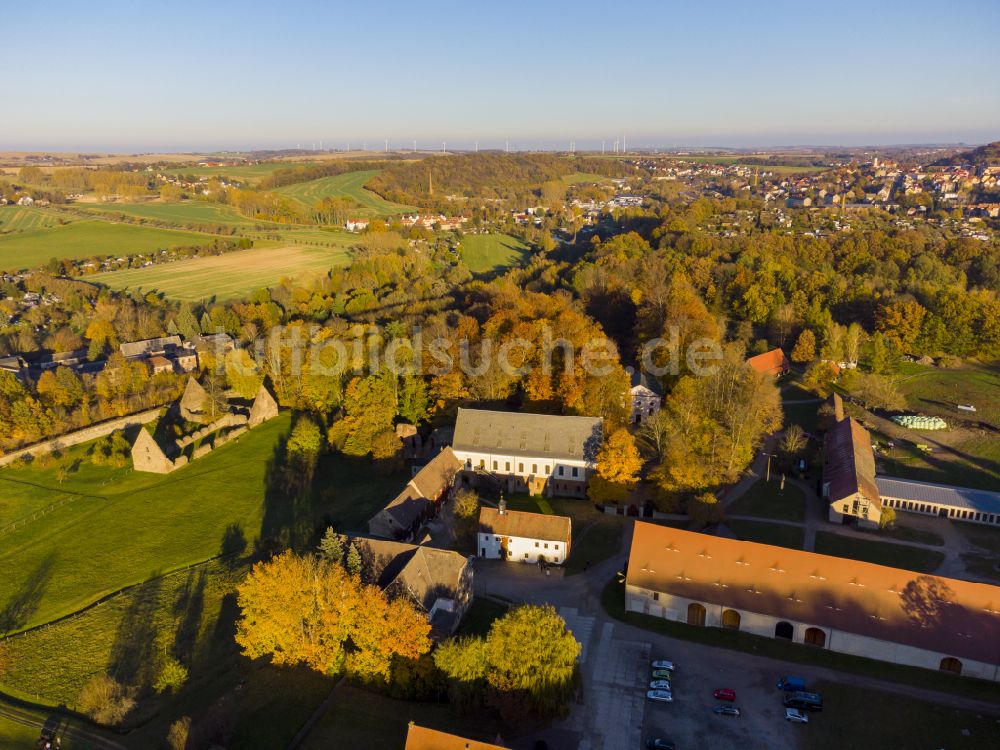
[
  {"x": 536, "y": 544},
  {"x": 576, "y": 471},
  {"x": 494, "y": 466},
  {"x": 507, "y": 466},
  {"x": 520, "y": 468},
  {"x": 534, "y": 468},
  {"x": 548, "y": 469},
  {"x": 546, "y": 545},
  {"x": 555, "y": 546},
  {"x": 561, "y": 470}
]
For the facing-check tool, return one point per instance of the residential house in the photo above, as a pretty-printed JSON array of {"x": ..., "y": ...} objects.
[
  {"x": 646, "y": 394},
  {"x": 402, "y": 517},
  {"x": 422, "y": 738},
  {"x": 183, "y": 355},
  {"x": 356, "y": 225},
  {"x": 158, "y": 363},
  {"x": 437, "y": 581},
  {"x": 773, "y": 363},
  {"x": 849, "y": 475},
  {"x": 534, "y": 453},
  {"x": 523, "y": 537},
  {"x": 827, "y": 602}
]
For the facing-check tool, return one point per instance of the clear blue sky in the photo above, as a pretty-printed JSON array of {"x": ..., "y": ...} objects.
[{"x": 132, "y": 75}]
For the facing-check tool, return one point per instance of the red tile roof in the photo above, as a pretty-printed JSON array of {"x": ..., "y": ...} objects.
[
  {"x": 525, "y": 525},
  {"x": 937, "y": 614},
  {"x": 422, "y": 738},
  {"x": 773, "y": 362}
]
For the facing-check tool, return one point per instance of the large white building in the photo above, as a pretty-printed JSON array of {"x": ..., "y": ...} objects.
[
  {"x": 523, "y": 537},
  {"x": 958, "y": 503},
  {"x": 826, "y": 602},
  {"x": 534, "y": 453}
]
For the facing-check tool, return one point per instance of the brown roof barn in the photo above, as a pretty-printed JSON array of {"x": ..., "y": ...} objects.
[
  {"x": 849, "y": 465},
  {"x": 897, "y": 606},
  {"x": 773, "y": 362},
  {"x": 404, "y": 512}
]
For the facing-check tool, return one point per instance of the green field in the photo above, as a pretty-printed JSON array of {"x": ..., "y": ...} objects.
[
  {"x": 85, "y": 239},
  {"x": 125, "y": 527},
  {"x": 350, "y": 185},
  {"x": 767, "y": 500},
  {"x": 578, "y": 177},
  {"x": 228, "y": 276},
  {"x": 931, "y": 390},
  {"x": 244, "y": 173},
  {"x": 24, "y": 219},
  {"x": 762, "y": 532},
  {"x": 484, "y": 253},
  {"x": 185, "y": 213}
]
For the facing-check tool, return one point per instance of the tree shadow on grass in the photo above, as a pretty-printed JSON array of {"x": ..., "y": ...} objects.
[
  {"x": 18, "y": 610},
  {"x": 188, "y": 611},
  {"x": 134, "y": 659}
]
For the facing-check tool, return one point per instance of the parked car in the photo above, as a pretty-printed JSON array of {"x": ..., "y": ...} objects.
[
  {"x": 663, "y": 664},
  {"x": 660, "y": 685},
  {"x": 662, "y": 674},
  {"x": 802, "y": 699},
  {"x": 727, "y": 711},
  {"x": 725, "y": 694},
  {"x": 791, "y": 683},
  {"x": 664, "y": 696},
  {"x": 796, "y": 716},
  {"x": 658, "y": 743}
]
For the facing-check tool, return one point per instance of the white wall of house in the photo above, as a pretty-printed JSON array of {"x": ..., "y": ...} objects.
[
  {"x": 565, "y": 476},
  {"x": 867, "y": 514},
  {"x": 521, "y": 549},
  {"x": 669, "y": 607},
  {"x": 645, "y": 403}
]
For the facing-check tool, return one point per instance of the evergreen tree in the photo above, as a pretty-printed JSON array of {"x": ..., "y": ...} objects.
[
  {"x": 331, "y": 546},
  {"x": 353, "y": 560}
]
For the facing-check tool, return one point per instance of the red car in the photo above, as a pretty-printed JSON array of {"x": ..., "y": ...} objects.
[{"x": 725, "y": 694}]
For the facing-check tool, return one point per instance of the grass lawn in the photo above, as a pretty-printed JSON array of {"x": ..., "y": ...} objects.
[
  {"x": 596, "y": 536},
  {"x": 578, "y": 177},
  {"x": 184, "y": 213},
  {"x": 931, "y": 390},
  {"x": 970, "y": 461},
  {"x": 484, "y": 253},
  {"x": 767, "y": 500},
  {"x": 804, "y": 415},
  {"x": 228, "y": 276},
  {"x": 350, "y": 185},
  {"x": 84, "y": 239},
  {"x": 248, "y": 173},
  {"x": 879, "y": 552},
  {"x": 361, "y": 719},
  {"x": 14, "y": 736},
  {"x": 903, "y": 533},
  {"x": 125, "y": 527},
  {"x": 480, "y": 616},
  {"x": 981, "y": 536},
  {"x": 910, "y": 723},
  {"x": 613, "y": 602},
  {"x": 763, "y": 532}
]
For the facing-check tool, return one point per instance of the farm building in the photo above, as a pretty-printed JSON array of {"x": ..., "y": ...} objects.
[
  {"x": 647, "y": 396},
  {"x": 849, "y": 475},
  {"x": 959, "y": 503},
  {"x": 773, "y": 363},
  {"x": 523, "y": 537},
  {"x": 535, "y": 453},
  {"x": 827, "y": 602},
  {"x": 437, "y": 581},
  {"x": 422, "y": 738},
  {"x": 401, "y": 518}
]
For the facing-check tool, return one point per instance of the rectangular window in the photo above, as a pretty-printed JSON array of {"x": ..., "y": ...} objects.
[
  {"x": 656, "y": 596},
  {"x": 510, "y": 553},
  {"x": 547, "y": 469},
  {"x": 536, "y": 544},
  {"x": 546, "y": 545},
  {"x": 520, "y": 468},
  {"x": 561, "y": 472},
  {"x": 555, "y": 546},
  {"x": 482, "y": 463},
  {"x": 525, "y": 555},
  {"x": 507, "y": 466},
  {"x": 494, "y": 466},
  {"x": 576, "y": 472},
  {"x": 534, "y": 468}
]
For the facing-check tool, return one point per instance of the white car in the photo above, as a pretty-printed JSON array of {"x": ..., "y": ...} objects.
[
  {"x": 660, "y": 695},
  {"x": 663, "y": 664},
  {"x": 660, "y": 685},
  {"x": 796, "y": 716}
]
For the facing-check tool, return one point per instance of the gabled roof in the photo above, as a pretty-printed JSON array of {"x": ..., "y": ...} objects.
[
  {"x": 942, "y": 615},
  {"x": 849, "y": 465},
  {"x": 422, "y": 738},
  {"x": 425, "y": 573},
  {"x": 428, "y": 485},
  {"x": 639, "y": 377},
  {"x": 147, "y": 346},
  {"x": 770, "y": 363},
  {"x": 525, "y": 525},
  {"x": 518, "y": 434},
  {"x": 981, "y": 501}
]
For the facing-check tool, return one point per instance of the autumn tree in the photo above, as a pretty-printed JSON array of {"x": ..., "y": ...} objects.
[
  {"x": 105, "y": 700},
  {"x": 618, "y": 466},
  {"x": 465, "y": 509},
  {"x": 878, "y": 392},
  {"x": 306, "y": 610},
  {"x": 331, "y": 546},
  {"x": 705, "y": 509},
  {"x": 805, "y": 347},
  {"x": 793, "y": 441},
  {"x": 527, "y": 662}
]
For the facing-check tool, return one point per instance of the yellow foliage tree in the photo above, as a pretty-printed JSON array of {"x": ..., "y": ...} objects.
[{"x": 306, "y": 610}]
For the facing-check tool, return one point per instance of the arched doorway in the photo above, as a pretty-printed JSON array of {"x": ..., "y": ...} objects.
[
  {"x": 784, "y": 630},
  {"x": 731, "y": 619},
  {"x": 951, "y": 664},
  {"x": 815, "y": 637},
  {"x": 696, "y": 614}
]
